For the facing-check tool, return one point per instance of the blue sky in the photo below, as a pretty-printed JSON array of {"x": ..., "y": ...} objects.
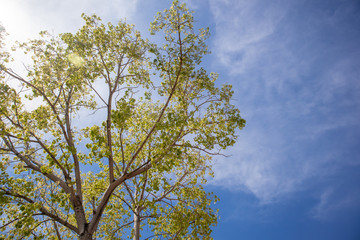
[{"x": 295, "y": 69}]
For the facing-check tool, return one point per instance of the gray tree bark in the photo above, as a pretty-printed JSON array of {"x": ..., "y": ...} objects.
[
  {"x": 136, "y": 225},
  {"x": 85, "y": 236}
]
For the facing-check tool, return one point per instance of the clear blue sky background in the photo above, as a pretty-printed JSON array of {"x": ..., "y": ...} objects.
[{"x": 295, "y": 69}]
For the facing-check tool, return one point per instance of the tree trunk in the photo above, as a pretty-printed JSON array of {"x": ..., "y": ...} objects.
[
  {"x": 85, "y": 236},
  {"x": 136, "y": 225}
]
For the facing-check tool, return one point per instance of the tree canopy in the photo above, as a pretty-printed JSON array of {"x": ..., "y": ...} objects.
[{"x": 109, "y": 132}]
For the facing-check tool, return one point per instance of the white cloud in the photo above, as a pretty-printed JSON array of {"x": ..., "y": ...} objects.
[
  {"x": 260, "y": 162},
  {"x": 331, "y": 203},
  {"x": 24, "y": 19},
  {"x": 292, "y": 93},
  {"x": 259, "y": 165},
  {"x": 240, "y": 27}
]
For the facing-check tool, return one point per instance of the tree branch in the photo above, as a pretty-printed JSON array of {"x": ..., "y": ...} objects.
[
  {"x": 36, "y": 167},
  {"x": 43, "y": 210}
]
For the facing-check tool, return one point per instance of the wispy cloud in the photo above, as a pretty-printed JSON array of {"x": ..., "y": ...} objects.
[
  {"x": 330, "y": 203},
  {"x": 297, "y": 83},
  {"x": 262, "y": 165},
  {"x": 241, "y": 28}
]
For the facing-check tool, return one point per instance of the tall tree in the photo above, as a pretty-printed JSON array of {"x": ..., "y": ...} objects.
[{"x": 157, "y": 119}]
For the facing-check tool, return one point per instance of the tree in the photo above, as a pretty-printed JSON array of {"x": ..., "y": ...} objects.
[{"x": 158, "y": 119}]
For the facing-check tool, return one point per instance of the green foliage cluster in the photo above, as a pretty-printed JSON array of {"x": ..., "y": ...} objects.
[{"x": 162, "y": 119}]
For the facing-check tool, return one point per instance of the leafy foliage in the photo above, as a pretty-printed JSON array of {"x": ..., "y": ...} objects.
[{"x": 162, "y": 118}]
